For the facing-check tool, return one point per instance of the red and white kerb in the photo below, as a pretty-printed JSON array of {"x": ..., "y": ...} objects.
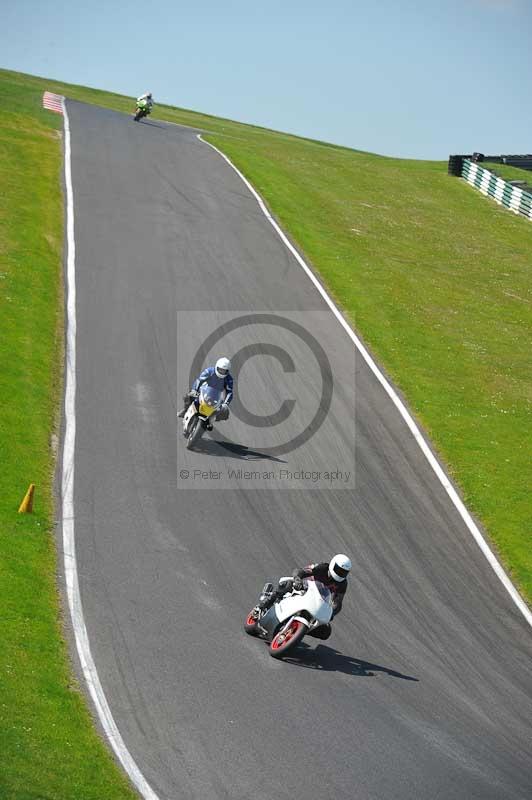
[{"x": 52, "y": 102}]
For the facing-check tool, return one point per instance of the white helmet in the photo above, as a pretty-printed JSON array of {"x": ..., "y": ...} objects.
[
  {"x": 223, "y": 365},
  {"x": 339, "y": 567}
]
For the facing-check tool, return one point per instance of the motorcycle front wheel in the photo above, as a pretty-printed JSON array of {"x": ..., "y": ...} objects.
[
  {"x": 195, "y": 433},
  {"x": 287, "y": 638},
  {"x": 250, "y": 625}
]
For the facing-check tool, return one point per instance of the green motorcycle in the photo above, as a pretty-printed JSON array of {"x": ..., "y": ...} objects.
[{"x": 143, "y": 109}]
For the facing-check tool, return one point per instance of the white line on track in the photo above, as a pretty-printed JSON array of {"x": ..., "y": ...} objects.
[
  {"x": 396, "y": 400},
  {"x": 67, "y": 491}
]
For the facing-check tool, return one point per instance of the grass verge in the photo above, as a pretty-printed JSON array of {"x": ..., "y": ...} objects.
[{"x": 48, "y": 743}]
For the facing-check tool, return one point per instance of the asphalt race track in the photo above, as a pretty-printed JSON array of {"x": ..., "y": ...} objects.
[{"x": 424, "y": 690}]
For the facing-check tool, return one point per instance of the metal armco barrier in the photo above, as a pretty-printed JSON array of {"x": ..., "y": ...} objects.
[{"x": 504, "y": 193}]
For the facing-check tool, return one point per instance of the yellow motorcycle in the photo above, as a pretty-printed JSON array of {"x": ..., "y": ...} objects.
[{"x": 200, "y": 414}]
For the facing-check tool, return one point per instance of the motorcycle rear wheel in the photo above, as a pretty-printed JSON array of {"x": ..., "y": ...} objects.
[
  {"x": 287, "y": 638},
  {"x": 195, "y": 433}
]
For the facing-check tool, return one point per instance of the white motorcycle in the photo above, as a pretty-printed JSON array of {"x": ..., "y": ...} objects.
[
  {"x": 297, "y": 613},
  {"x": 204, "y": 408}
]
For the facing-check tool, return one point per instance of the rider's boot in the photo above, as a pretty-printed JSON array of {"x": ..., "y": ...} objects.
[{"x": 322, "y": 631}]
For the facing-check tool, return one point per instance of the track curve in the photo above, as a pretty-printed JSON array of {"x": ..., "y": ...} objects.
[{"x": 424, "y": 688}]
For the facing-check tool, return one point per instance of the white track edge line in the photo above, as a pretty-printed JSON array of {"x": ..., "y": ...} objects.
[
  {"x": 67, "y": 490},
  {"x": 390, "y": 391}
]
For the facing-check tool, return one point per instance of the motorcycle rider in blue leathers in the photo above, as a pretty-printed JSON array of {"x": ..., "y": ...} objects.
[{"x": 219, "y": 377}]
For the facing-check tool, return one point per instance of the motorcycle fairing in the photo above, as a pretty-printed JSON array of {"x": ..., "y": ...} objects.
[
  {"x": 205, "y": 410},
  {"x": 317, "y": 600},
  {"x": 205, "y": 405},
  {"x": 209, "y": 400},
  {"x": 269, "y": 622}
]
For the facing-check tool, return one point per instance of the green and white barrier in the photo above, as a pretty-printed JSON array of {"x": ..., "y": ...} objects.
[{"x": 504, "y": 193}]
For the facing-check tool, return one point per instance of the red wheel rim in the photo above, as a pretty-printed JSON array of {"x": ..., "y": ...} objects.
[{"x": 286, "y": 635}]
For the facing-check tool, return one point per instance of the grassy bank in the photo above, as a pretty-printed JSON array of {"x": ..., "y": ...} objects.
[
  {"x": 508, "y": 173},
  {"x": 48, "y": 744},
  {"x": 434, "y": 276}
]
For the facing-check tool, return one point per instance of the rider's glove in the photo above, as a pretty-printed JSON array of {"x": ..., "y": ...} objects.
[{"x": 297, "y": 584}]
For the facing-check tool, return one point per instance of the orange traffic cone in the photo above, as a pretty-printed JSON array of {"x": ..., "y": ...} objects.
[{"x": 26, "y": 507}]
